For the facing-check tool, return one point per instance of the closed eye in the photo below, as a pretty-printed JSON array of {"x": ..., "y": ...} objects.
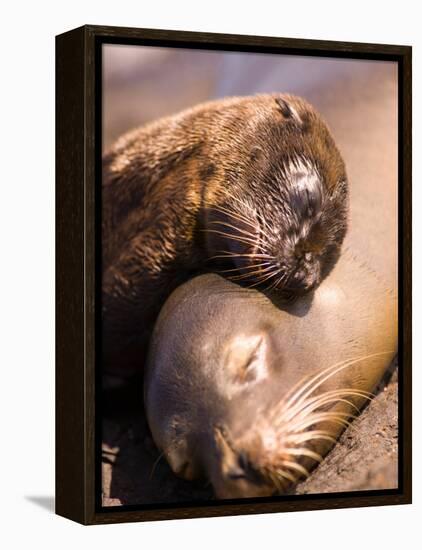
[
  {"x": 255, "y": 365},
  {"x": 246, "y": 359}
]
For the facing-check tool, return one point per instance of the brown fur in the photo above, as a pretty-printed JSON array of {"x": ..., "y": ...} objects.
[{"x": 162, "y": 182}]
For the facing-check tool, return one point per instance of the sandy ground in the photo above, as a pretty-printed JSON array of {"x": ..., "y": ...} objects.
[{"x": 364, "y": 458}]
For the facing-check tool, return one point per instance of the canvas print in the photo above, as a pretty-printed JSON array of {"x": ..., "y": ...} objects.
[{"x": 249, "y": 266}]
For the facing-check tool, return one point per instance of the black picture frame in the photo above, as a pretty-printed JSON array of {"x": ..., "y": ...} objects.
[{"x": 78, "y": 217}]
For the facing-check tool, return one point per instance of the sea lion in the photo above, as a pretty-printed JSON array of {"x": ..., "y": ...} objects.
[
  {"x": 230, "y": 371},
  {"x": 252, "y": 186},
  {"x": 249, "y": 394}
]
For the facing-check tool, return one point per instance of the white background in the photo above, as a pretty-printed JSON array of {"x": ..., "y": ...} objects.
[{"x": 27, "y": 271}]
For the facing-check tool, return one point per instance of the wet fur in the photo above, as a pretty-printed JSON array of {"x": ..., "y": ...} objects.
[{"x": 165, "y": 200}]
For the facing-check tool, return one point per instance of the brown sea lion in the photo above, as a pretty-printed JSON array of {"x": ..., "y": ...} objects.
[{"x": 251, "y": 186}]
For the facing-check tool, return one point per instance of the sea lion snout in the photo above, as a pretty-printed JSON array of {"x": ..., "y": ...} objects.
[
  {"x": 232, "y": 474},
  {"x": 307, "y": 275}
]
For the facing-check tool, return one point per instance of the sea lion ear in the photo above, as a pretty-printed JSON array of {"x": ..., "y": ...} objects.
[
  {"x": 288, "y": 111},
  {"x": 246, "y": 359}
]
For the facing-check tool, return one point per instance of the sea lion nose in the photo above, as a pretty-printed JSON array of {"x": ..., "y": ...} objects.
[
  {"x": 306, "y": 275},
  {"x": 298, "y": 278}
]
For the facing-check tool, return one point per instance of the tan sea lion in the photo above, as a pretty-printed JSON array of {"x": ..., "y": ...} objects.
[
  {"x": 252, "y": 186},
  {"x": 248, "y": 394}
]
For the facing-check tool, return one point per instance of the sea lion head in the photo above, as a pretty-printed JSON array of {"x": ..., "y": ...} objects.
[
  {"x": 231, "y": 397},
  {"x": 281, "y": 217},
  {"x": 269, "y": 423}
]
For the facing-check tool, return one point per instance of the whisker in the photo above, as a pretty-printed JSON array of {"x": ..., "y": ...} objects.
[
  {"x": 251, "y": 266},
  {"x": 295, "y": 466},
  {"x": 272, "y": 477},
  {"x": 286, "y": 475},
  {"x": 332, "y": 370},
  {"x": 304, "y": 451},
  {"x": 243, "y": 231},
  {"x": 228, "y": 254},
  {"x": 336, "y": 370},
  {"x": 277, "y": 282},
  {"x": 310, "y": 435},
  {"x": 251, "y": 274},
  {"x": 304, "y": 383},
  {"x": 322, "y": 399},
  {"x": 262, "y": 280},
  {"x": 243, "y": 240},
  {"x": 311, "y": 409},
  {"x": 282, "y": 477},
  {"x": 154, "y": 466},
  {"x": 322, "y": 417},
  {"x": 239, "y": 216},
  {"x": 235, "y": 215}
]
